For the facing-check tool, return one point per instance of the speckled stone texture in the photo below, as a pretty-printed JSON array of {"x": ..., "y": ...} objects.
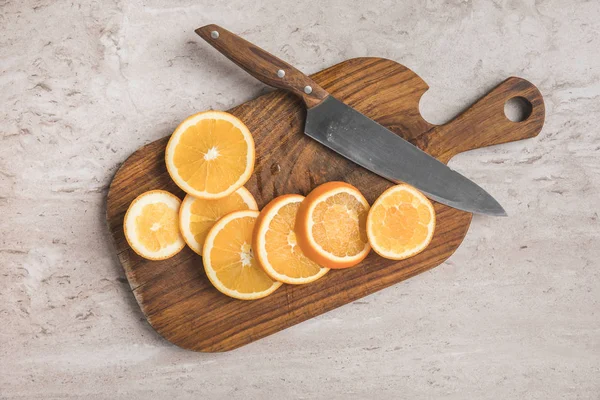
[{"x": 514, "y": 314}]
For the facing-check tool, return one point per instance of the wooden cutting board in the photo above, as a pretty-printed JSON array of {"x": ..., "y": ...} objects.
[{"x": 175, "y": 294}]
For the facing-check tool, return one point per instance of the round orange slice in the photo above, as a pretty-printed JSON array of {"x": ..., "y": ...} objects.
[
  {"x": 400, "y": 223},
  {"x": 275, "y": 244},
  {"x": 197, "y": 216},
  {"x": 151, "y": 225},
  {"x": 229, "y": 261},
  {"x": 210, "y": 155},
  {"x": 330, "y": 225}
]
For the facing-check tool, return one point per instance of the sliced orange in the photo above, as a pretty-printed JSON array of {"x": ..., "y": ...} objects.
[
  {"x": 197, "y": 216},
  {"x": 229, "y": 260},
  {"x": 275, "y": 244},
  {"x": 401, "y": 223},
  {"x": 210, "y": 155},
  {"x": 151, "y": 225},
  {"x": 330, "y": 225}
]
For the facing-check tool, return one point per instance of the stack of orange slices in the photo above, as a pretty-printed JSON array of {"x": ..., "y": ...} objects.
[{"x": 294, "y": 240}]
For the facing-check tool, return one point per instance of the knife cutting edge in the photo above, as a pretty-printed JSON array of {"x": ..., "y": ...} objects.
[{"x": 354, "y": 135}]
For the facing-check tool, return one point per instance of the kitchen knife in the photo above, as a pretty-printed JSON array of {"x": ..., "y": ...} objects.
[{"x": 352, "y": 134}]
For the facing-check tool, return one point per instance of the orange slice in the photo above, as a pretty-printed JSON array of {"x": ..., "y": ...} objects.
[
  {"x": 229, "y": 260},
  {"x": 275, "y": 243},
  {"x": 400, "y": 223},
  {"x": 210, "y": 155},
  {"x": 197, "y": 216},
  {"x": 151, "y": 225},
  {"x": 330, "y": 225}
]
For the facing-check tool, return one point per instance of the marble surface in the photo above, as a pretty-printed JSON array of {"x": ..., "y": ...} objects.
[{"x": 514, "y": 314}]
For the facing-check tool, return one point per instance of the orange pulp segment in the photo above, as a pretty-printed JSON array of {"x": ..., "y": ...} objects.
[
  {"x": 275, "y": 243},
  {"x": 197, "y": 216},
  {"x": 210, "y": 155},
  {"x": 331, "y": 225},
  {"x": 400, "y": 223},
  {"x": 229, "y": 260},
  {"x": 151, "y": 225}
]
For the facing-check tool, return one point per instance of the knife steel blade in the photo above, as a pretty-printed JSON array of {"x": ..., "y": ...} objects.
[
  {"x": 374, "y": 147},
  {"x": 354, "y": 135}
]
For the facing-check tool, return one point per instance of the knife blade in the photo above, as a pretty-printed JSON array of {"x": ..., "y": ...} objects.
[{"x": 354, "y": 135}]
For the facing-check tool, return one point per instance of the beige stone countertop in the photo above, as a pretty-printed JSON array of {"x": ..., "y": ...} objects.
[{"x": 513, "y": 314}]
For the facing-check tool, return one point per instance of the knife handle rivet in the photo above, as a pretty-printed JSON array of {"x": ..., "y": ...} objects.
[
  {"x": 214, "y": 34},
  {"x": 307, "y": 89},
  {"x": 281, "y": 73}
]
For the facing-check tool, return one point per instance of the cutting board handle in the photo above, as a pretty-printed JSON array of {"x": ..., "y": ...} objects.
[
  {"x": 485, "y": 123},
  {"x": 262, "y": 65}
]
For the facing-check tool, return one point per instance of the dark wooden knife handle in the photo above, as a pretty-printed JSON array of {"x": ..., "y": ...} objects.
[
  {"x": 485, "y": 123},
  {"x": 262, "y": 65}
]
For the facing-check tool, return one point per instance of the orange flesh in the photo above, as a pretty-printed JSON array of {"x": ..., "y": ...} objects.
[
  {"x": 340, "y": 225},
  {"x": 283, "y": 252},
  {"x": 211, "y": 155},
  {"x": 400, "y": 222},
  {"x": 157, "y": 226},
  {"x": 205, "y": 213},
  {"x": 233, "y": 261}
]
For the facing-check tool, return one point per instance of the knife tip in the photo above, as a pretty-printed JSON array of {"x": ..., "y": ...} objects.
[{"x": 498, "y": 211}]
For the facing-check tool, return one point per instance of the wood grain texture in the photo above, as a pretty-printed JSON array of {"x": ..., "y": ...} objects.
[
  {"x": 175, "y": 295},
  {"x": 262, "y": 65}
]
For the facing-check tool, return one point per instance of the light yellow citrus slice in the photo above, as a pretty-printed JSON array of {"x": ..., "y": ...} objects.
[
  {"x": 400, "y": 223},
  {"x": 275, "y": 245},
  {"x": 151, "y": 225},
  {"x": 330, "y": 225},
  {"x": 229, "y": 260},
  {"x": 210, "y": 155},
  {"x": 197, "y": 216}
]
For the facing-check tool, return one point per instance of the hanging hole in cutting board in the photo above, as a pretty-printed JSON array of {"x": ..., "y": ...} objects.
[{"x": 518, "y": 109}]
